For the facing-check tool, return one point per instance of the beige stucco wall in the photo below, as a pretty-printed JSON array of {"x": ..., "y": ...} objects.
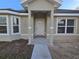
[
  {"x": 24, "y": 24},
  {"x": 25, "y": 32},
  {"x": 40, "y": 5},
  {"x": 65, "y": 38},
  {"x": 48, "y": 24},
  {"x": 78, "y": 26},
  {"x": 50, "y": 31}
]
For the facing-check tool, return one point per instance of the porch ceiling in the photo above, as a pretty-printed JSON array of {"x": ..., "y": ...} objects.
[{"x": 41, "y": 12}]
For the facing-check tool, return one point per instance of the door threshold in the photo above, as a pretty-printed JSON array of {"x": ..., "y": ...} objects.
[{"x": 39, "y": 36}]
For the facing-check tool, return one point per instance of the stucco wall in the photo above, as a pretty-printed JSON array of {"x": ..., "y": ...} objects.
[
  {"x": 65, "y": 38},
  {"x": 40, "y": 5},
  {"x": 48, "y": 24},
  {"x": 26, "y": 33},
  {"x": 24, "y": 24},
  {"x": 78, "y": 26}
]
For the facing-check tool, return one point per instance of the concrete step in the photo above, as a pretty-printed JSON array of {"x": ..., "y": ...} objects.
[{"x": 39, "y": 40}]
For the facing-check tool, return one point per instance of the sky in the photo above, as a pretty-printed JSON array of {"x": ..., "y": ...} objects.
[
  {"x": 16, "y": 4},
  {"x": 70, "y": 4}
]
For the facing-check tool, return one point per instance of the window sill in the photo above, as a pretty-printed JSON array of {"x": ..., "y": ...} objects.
[
  {"x": 3, "y": 34},
  {"x": 16, "y": 33},
  {"x": 66, "y": 34}
]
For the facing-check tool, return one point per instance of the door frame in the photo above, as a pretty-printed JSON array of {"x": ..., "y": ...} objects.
[{"x": 45, "y": 18}]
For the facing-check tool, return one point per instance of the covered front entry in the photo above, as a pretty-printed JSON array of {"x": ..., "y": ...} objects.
[{"x": 40, "y": 25}]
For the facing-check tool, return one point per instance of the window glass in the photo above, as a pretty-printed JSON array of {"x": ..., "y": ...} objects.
[
  {"x": 2, "y": 20},
  {"x": 3, "y": 29},
  {"x": 70, "y": 29},
  {"x": 17, "y": 21},
  {"x": 3, "y": 25},
  {"x": 61, "y": 22},
  {"x": 15, "y": 29},
  {"x": 15, "y": 25},
  {"x": 70, "y": 22},
  {"x": 61, "y": 29}
]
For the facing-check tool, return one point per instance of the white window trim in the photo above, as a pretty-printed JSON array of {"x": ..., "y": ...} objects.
[
  {"x": 7, "y": 21},
  {"x": 75, "y": 27},
  {"x": 12, "y": 25}
]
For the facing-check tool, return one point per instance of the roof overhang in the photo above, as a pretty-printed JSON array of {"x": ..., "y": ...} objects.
[
  {"x": 56, "y": 2},
  {"x": 59, "y": 1},
  {"x": 13, "y": 13}
]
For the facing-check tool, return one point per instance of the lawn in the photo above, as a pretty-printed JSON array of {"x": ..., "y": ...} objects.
[{"x": 17, "y": 49}]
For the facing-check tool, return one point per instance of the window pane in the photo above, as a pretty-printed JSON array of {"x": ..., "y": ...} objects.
[
  {"x": 15, "y": 29},
  {"x": 3, "y": 29},
  {"x": 70, "y": 22},
  {"x": 61, "y": 22},
  {"x": 2, "y": 20},
  {"x": 17, "y": 21},
  {"x": 70, "y": 29},
  {"x": 61, "y": 29}
]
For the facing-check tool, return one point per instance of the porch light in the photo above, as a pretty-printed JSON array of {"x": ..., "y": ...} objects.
[
  {"x": 30, "y": 27},
  {"x": 51, "y": 27}
]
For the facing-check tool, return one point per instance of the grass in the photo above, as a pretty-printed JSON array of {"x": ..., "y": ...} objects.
[{"x": 17, "y": 49}]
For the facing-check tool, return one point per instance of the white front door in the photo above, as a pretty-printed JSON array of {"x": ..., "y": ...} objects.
[{"x": 39, "y": 27}]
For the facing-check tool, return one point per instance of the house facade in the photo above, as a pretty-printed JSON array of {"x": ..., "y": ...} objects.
[{"x": 40, "y": 18}]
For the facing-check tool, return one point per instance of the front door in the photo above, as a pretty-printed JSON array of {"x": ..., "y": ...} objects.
[{"x": 39, "y": 27}]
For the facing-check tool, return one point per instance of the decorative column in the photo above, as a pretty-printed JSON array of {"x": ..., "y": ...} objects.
[
  {"x": 51, "y": 27},
  {"x": 29, "y": 21},
  {"x": 29, "y": 27}
]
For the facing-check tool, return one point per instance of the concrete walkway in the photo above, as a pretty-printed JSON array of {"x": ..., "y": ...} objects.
[
  {"x": 41, "y": 50},
  {"x": 40, "y": 40}
]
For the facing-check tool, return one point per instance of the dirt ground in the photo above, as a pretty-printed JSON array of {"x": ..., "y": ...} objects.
[
  {"x": 66, "y": 50},
  {"x": 17, "y": 49}
]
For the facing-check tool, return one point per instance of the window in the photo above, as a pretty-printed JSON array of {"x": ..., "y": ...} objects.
[
  {"x": 3, "y": 25},
  {"x": 66, "y": 26},
  {"x": 16, "y": 25}
]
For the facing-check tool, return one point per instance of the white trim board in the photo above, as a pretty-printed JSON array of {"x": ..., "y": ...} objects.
[
  {"x": 63, "y": 34},
  {"x": 26, "y": 34},
  {"x": 26, "y": 14},
  {"x": 66, "y": 14}
]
